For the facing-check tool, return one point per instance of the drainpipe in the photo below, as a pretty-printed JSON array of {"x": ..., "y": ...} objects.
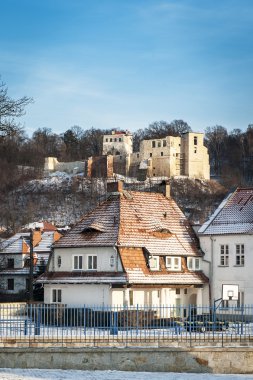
[
  {"x": 31, "y": 268},
  {"x": 211, "y": 270}
]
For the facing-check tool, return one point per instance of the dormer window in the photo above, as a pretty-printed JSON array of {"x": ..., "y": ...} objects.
[
  {"x": 154, "y": 262},
  {"x": 193, "y": 263},
  {"x": 173, "y": 263}
]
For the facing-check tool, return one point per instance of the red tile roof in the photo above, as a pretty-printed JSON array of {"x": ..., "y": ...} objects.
[{"x": 136, "y": 219}]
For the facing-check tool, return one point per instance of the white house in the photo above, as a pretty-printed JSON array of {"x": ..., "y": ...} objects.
[
  {"x": 15, "y": 259},
  {"x": 227, "y": 242},
  {"x": 135, "y": 248}
]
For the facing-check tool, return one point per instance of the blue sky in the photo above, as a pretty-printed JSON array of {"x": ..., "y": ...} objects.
[{"x": 127, "y": 63}]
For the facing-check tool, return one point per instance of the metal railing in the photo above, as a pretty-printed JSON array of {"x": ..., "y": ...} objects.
[{"x": 58, "y": 325}]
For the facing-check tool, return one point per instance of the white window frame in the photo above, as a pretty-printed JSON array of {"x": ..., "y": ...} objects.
[
  {"x": 173, "y": 263},
  {"x": 192, "y": 263},
  {"x": 240, "y": 255},
  {"x": 224, "y": 255},
  {"x": 94, "y": 262},
  {"x": 79, "y": 262},
  {"x": 56, "y": 295},
  {"x": 154, "y": 259}
]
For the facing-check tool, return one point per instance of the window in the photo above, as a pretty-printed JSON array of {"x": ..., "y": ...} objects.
[
  {"x": 150, "y": 154},
  {"x": 224, "y": 255},
  {"x": 239, "y": 257},
  {"x": 185, "y": 291},
  {"x": 110, "y": 140},
  {"x": 78, "y": 262},
  {"x": 115, "y": 140},
  {"x": 177, "y": 291},
  {"x": 92, "y": 262},
  {"x": 138, "y": 155},
  {"x": 193, "y": 263},
  {"x": 10, "y": 283},
  {"x": 106, "y": 140},
  {"x": 159, "y": 144},
  {"x": 154, "y": 262},
  {"x": 195, "y": 140},
  {"x": 161, "y": 153},
  {"x": 120, "y": 139},
  {"x": 10, "y": 263},
  {"x": 56, "y": 295},
  {"x": 173, "y": 263},
  {"x": 59, "y": 261},
  {"x": 195, "y": 150},
  {"x": 153, "y": 144},
  {"x": 164, "y": 142}
]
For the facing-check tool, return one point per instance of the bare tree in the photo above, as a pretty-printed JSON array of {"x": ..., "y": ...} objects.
[{"x": 10, "y": 109}]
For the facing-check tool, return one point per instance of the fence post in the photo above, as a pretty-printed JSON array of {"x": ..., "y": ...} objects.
[
  {"x": 37, "y": 321},
  {"x": 137, "y": 319},
  {"x": 84, "y": 319}
]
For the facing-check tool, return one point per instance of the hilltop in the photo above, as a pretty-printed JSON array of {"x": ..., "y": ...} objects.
[{"x": 63, "y": 199}]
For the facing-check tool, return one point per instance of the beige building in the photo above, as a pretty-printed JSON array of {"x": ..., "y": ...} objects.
[
  {"x": 172, "y": 156},
  {"x": 165, "y": 157}
]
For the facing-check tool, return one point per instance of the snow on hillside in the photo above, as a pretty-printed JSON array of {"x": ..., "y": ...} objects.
[{"x": 63, "y": 199}]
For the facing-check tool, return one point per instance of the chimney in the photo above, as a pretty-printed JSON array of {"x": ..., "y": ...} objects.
[
  {"x": 167, "y": 190},
  {"x": 115, "y": 187}
]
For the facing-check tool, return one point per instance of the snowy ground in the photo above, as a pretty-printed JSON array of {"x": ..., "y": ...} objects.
[{"x": 33, "y": 374}]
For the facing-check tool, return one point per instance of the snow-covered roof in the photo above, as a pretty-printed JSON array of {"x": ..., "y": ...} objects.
[{"x": 233, "y": 216}]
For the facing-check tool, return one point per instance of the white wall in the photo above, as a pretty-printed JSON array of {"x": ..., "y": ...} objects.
[
  {"x": 231, "y": 274},
  {"x": 103, "y": 258}
]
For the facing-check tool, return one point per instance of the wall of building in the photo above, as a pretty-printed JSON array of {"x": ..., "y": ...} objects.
[
  {"x": 118, "y": 143},
  {"x": 52, "y": 165},
  {"x": 231, "y": 274},
  {"x": 228, "y": 360},
  {"x": 103, "y": 254}
]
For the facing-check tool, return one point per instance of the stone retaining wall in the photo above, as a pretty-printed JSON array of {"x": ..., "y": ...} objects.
[{"x": 198, "y": 360}]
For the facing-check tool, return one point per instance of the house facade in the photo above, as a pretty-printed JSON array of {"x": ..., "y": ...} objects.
[
  {"x": 227, "y": 242},
  {"x": 15, "y": 259},
  {"x": 135, "y": 248}
]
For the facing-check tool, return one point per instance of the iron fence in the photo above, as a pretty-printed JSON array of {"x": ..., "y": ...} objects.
[{"x": 58, "y": 325}]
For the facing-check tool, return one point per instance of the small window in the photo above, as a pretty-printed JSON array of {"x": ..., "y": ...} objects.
[
  {"x": 224, "y": 255},
  {"x": 195, "y": 150},
  {"x": 106, "y": 140},
  {"x": 115, "y": 140},
  {"x": 120, "y": 139},
  {"x": 195, "y": 139},
  {"x": 92, "y": 262},
  {"x": 185, "y": 291},
  {"x": 110, "y": 140},
  {"x": 194, "y": 263},
  {"x": 161, "y": 153},
  {"x": 59, "y": 261},
  {"x": 150, "y": 154},
  {"x": 177, "y": 291},
  {"x": 153, "y": 144},
  {"x": 10, "y": 263},
  {"x": 239, "y": 258},
  {"x": 159, "y": 144},
  {"x": 56, "y": 295},
  {"x": 78, "y": 262},
  {"x": 10, "y": 283},
  {"x": 138, "y": 155},
  {"x": 164, "y": 143},
  {"x": 173, "y": 263},
  {"x": 154, "y": 262}
]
